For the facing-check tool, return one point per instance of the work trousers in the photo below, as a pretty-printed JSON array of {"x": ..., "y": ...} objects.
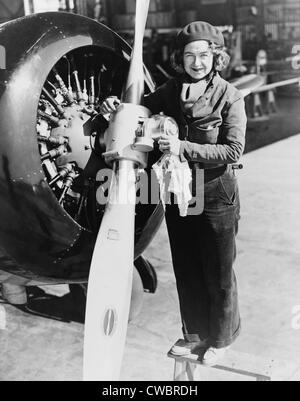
[{"x": 203, "y": 252}]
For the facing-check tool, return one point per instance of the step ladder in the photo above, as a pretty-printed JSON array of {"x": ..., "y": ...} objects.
[{"x": 235, "y": 366}]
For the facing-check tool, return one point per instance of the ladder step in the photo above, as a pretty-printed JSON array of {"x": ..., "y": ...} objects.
[{"x": 236, "y": 365}]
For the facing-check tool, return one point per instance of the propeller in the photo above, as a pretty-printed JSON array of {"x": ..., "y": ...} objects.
[{"x": 111, "y": 272}]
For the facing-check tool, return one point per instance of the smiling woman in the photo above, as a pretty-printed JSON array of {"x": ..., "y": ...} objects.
[
  {"x": 198, "y": 59},
  {"x": 211, "y": 117},
  {"x": 203, "y": 50},
  {"x": 212, "y": 121}
]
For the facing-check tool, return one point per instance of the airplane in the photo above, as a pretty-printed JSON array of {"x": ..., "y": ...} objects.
[
  {"x": 59, "y": 67},
  {"x": 58, "y": 70}
]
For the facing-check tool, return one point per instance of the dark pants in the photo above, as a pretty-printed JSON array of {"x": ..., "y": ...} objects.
[{"x": 203, "y": 252}]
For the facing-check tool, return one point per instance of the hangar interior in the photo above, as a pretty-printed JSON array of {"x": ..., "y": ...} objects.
[{"x": 43, "y": 341}]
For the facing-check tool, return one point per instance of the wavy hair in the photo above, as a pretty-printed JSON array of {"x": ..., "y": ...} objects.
[{"x": 221, "y": 58}]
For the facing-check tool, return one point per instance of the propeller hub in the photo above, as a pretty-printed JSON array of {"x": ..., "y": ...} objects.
[{"x": 122, "y": 132}]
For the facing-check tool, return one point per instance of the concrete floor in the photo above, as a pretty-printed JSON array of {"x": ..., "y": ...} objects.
[{"x": 36, "y": 349}]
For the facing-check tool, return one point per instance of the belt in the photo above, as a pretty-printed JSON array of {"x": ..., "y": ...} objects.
[
  {"x": 206, "y": 166},
  {"x": 212, "y": 172}
]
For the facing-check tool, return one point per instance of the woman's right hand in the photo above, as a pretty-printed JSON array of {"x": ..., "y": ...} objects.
[{"x": 110, "y": 105}]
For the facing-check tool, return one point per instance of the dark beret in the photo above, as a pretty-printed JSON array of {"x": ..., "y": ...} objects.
[{"x": 199, "y": 30}]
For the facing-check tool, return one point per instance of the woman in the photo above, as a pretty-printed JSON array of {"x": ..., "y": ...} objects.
[{"x": 211, "y": 116}]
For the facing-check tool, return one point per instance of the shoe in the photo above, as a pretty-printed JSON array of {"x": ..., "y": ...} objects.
[
  {"x": 182, "y": 347},
  {"x": 213, "y": 355}
]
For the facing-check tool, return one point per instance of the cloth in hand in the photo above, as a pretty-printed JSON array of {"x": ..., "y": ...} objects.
[{"x": 174, "y": 176}]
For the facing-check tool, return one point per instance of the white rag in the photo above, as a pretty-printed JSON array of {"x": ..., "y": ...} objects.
[{"x": 174, "y": 176}]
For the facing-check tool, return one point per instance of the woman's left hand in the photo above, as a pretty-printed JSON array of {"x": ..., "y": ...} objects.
[{"x": 169, "y": 144}]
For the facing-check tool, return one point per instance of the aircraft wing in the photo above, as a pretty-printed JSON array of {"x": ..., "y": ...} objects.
[
  {"x": 254, "y": 83},
  {"x": 248, "y": 83}
]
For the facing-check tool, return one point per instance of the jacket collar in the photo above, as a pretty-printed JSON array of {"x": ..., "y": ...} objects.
[{"x": 213, "y": 80}]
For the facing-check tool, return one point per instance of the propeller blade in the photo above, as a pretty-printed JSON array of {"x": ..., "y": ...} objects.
[
  {"x": 110, "y": 280},
  {"x": 134, "y": 89}
]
